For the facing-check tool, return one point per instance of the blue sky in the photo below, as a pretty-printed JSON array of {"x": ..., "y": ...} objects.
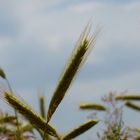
[{"x": 37, "y": 37}]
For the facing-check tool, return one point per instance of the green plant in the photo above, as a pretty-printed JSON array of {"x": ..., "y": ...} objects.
[
  {"x": 113, "y": 107},
  {"x": 3, "y": 75},
  {"x": 8, "y": 128},
  {"x": 39, "y": 122}
]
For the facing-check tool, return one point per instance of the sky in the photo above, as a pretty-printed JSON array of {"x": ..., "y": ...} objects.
[{"x": 37, "y": 38}]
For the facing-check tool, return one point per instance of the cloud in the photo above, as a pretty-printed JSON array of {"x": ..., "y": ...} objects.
[
  {"x": 37, "y": 38},
  {"x": 86, "y": 7},
  {"x": 43, "y": 38}
]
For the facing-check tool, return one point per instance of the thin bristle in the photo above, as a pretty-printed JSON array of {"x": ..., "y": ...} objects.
[
  {"x": 80, "y": 130},
  {"x": 92, "y": 107},
  {"x": 133, "y": 106},
  {"x": 27, "y": 112},
  {"x": 73, "y": 65}
]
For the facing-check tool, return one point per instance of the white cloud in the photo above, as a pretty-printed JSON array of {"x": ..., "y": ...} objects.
[
  {"x": 86, "y": 7},
  {"x": 58, "y": 30},
  {"x": 36, "y": 51},
  {"x": 93, "y": 90},
  {"x": 133, "y": 6}
]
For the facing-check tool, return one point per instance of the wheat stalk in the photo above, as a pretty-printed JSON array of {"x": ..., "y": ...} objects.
[
  {"x": 27, "y": 112},
  {"x": 81, "y": 51}
]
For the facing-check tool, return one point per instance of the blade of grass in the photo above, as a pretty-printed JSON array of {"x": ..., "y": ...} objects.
[
  {"x": 80, "y": 53},
  {"x": 80, "y": 130}
]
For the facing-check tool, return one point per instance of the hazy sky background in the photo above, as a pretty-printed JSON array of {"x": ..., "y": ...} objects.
[{"x": 37, "y": 37}]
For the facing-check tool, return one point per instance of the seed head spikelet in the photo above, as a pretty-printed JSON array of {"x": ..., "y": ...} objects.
[
  {"x": 80, "y": 130},
  {"x": 92, "y": 107},
  {"x": 133, "y": 106},
  {"x": 27, "y": 112},
  {"x": 82, "y": 49},
  {"x": 128, "y": 97}
]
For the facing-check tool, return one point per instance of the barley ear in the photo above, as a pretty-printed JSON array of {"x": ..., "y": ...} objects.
[
  {"x": 31, "y": 116},
  {"x": 80, "y": 130},
  {"x": 80, "y": 53},
  {"x": 2, "y": 73},
  {"x": 92, "y": 107}
]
